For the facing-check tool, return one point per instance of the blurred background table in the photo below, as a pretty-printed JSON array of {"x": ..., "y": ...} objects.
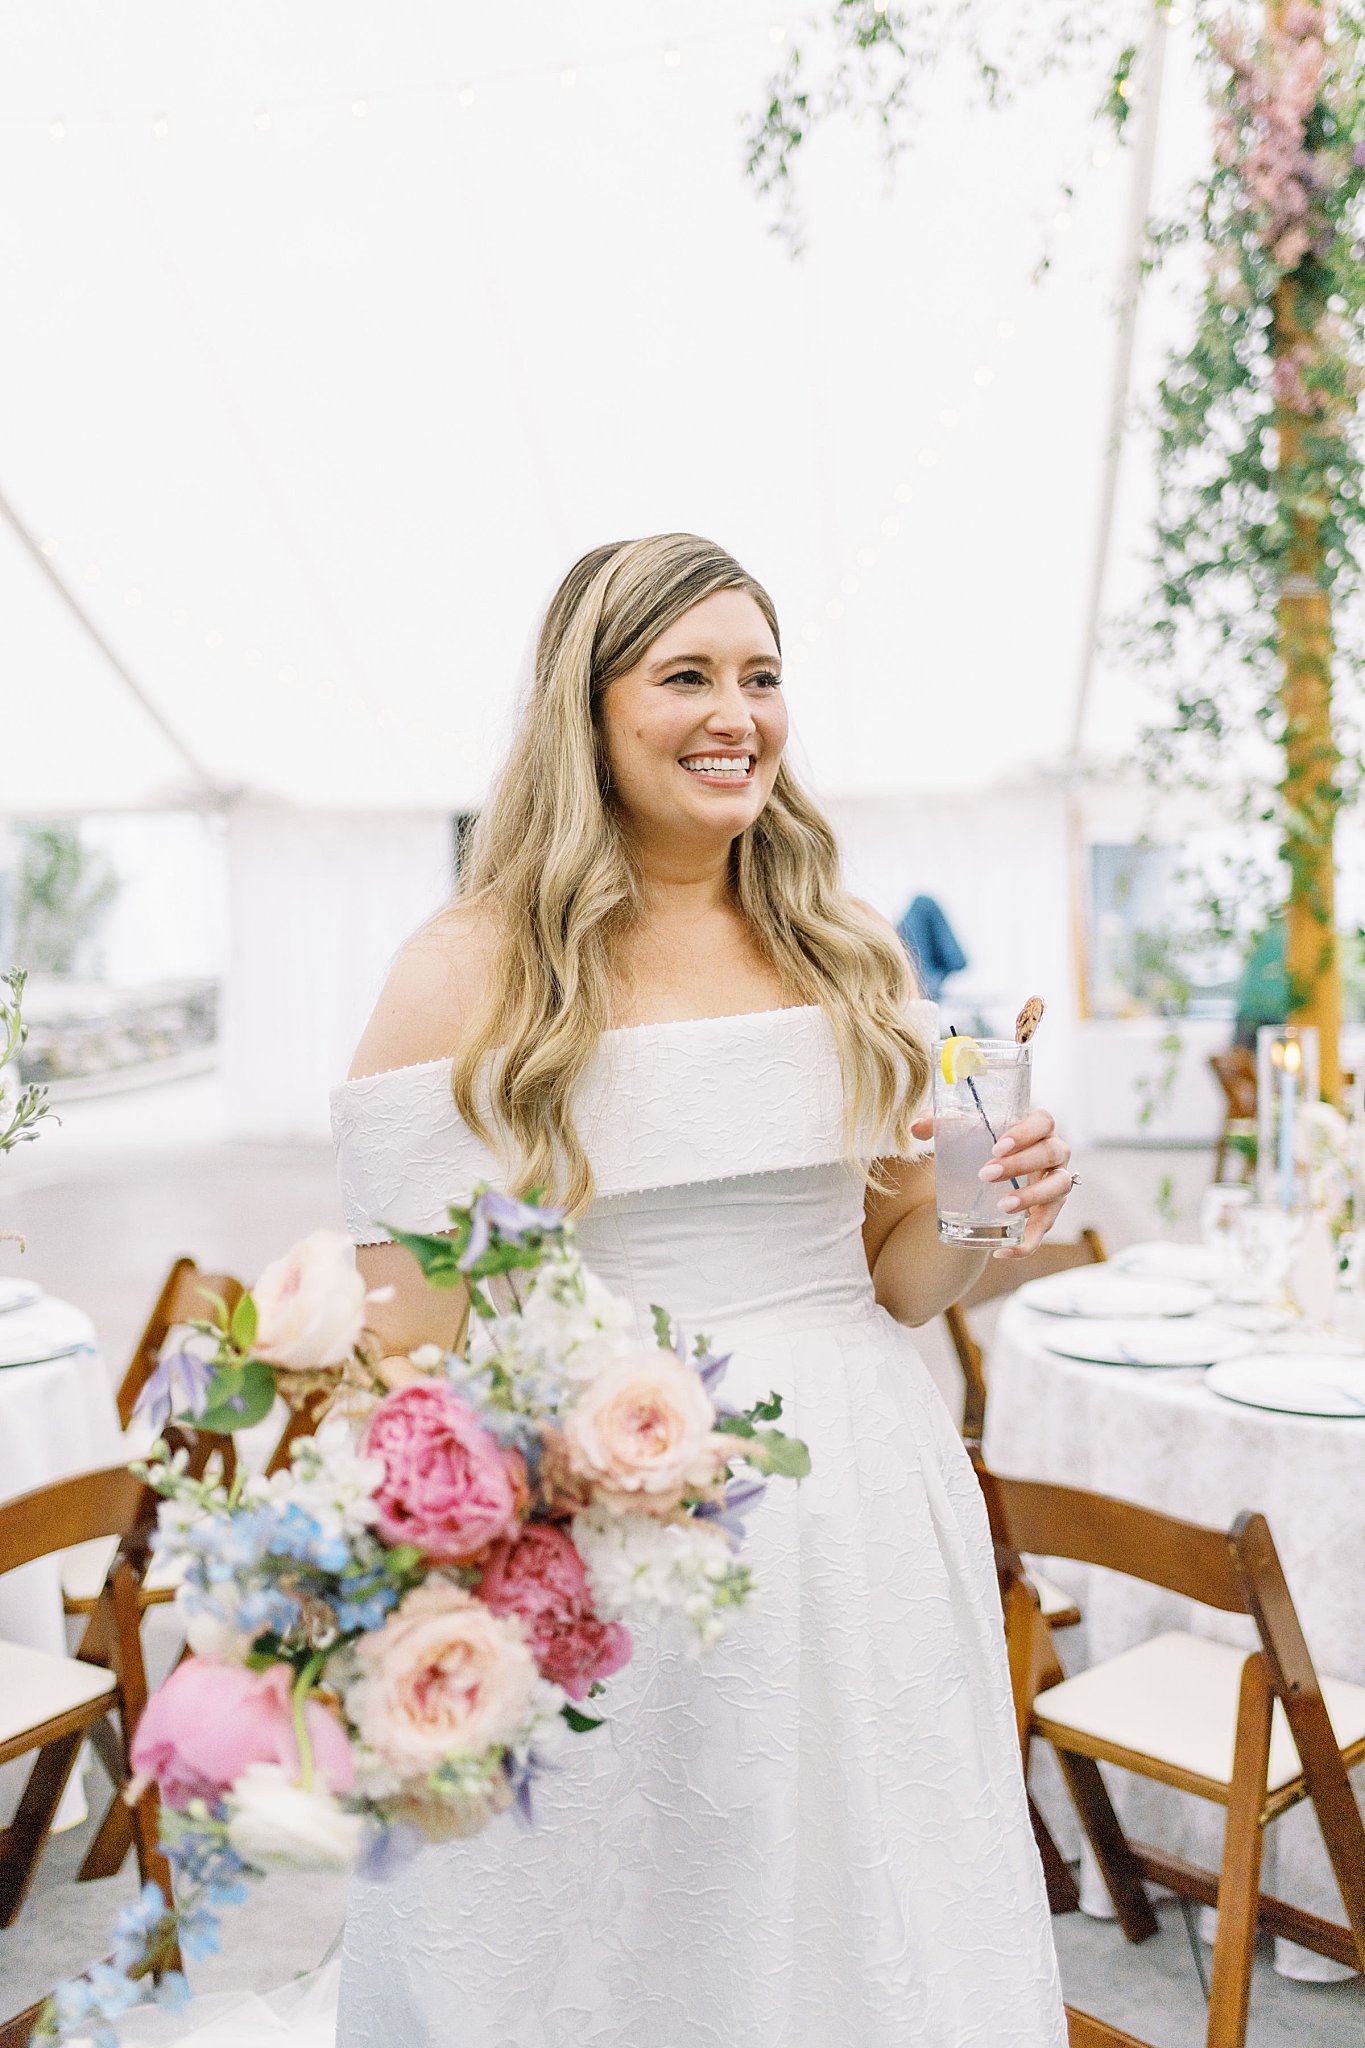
[
  {"x": 57, "y": 1416},
  {"x": 1158, "y": 1436}
]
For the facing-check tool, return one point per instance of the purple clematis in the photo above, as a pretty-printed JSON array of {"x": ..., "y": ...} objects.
[
  {"x": 180, "y": 1383},
  {"x": 492, "y": 1210}
]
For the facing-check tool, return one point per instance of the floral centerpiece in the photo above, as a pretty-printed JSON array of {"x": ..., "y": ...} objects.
[{"x": 396, "y": 1636}]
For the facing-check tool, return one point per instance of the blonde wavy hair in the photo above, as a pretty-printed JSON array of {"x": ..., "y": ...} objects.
[{"x": 549, "y": 860}]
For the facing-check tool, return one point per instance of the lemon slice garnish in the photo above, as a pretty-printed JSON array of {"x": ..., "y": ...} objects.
[{"x": 960, "y": 1059}]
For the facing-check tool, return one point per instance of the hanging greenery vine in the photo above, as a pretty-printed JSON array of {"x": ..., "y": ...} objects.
[
  {"x": 1259, "y": 462},
  {"x": 1257, "y": 427}
]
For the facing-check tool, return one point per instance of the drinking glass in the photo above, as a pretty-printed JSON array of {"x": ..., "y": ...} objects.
[
  {"x": 1218, "y": 1224},
  {"x": 969, "y": 1116}
]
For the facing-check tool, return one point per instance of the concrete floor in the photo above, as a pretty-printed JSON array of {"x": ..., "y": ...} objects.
[{"x": 106, "y": 1202}]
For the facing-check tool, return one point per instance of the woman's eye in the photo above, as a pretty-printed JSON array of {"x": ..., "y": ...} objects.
[
  {"x": 688, "y": 676},
  {"x": 767, "y": 681}
]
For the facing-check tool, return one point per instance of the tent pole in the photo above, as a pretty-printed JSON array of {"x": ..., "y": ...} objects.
[{"x": 217, "y": 791}]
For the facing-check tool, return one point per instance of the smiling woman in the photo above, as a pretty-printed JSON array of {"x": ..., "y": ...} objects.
[{"x": 657, "y": 998}]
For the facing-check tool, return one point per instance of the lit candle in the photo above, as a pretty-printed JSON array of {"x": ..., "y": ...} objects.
[{"x": 1290, "y": 1057}]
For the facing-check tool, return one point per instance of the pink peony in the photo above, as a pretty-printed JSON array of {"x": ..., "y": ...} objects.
[
  {"x": 210, "y": 1721},
  {"x": 541, "y": 1580},
  {"x": 443, "y": 1677},
  {"x": 447, "y": 1487},
  {"x": 641, "y": 1434}
]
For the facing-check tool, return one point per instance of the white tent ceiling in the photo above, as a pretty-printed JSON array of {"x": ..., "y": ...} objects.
[{"x": 335, "y": 329}]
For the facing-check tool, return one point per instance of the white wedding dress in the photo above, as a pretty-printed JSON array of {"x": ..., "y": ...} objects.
[{"x": 817, "y": 1837}]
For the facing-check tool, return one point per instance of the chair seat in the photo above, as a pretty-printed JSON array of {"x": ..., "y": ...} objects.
[
  {"x": 36, "y": 1688},
  {"x": 1173, "y": 1701},
  {"x": 85, "y": 1568},
  {"x": 1052, "y": 1601}
]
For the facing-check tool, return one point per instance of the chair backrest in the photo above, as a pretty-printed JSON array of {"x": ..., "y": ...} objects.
[
  {"x": 1235, "y": 1072},
  {"x": 185, "y": 1297},
  {"x": 109, "y": 1502},
  {"x": 1001, "y": 1277},
  {"x": 1043, "y": 1520}
]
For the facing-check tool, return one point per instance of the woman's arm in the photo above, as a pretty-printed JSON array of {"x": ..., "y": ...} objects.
[
  {"x": 914, "y": 1276},
  {"x": 431, "y": 994}
]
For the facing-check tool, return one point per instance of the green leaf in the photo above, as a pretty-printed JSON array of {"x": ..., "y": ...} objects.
[
  {"x": 582, "y": 1724},
  {"x": 439, "y": 1257},
  {"x": 239, "y": 1396},
  {"x": 784, "y": 1456},
  {"x": 243, "y": 1331},
  {"x": 734, "y": 1425},
  {"x": 663, "y": 1326},
  {"x": 765, "y": 1411}
]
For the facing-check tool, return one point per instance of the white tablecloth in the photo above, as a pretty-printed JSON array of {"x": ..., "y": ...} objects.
[
  {"x": 56, "y": 1419},
  {"x": 1158, "y": 1437}
]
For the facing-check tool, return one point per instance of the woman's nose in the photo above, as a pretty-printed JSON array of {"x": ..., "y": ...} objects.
[{"x": 731, "y": 714}]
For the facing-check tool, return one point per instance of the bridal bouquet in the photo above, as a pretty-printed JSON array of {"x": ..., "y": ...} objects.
[{"x": 396, "y": 1636}]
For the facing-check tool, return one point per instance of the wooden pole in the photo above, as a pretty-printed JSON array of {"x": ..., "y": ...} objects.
[{"x": 1304, "y": 627}]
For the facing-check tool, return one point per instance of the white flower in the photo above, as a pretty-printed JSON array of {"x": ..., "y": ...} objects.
[
  {"x": 310, "y": 1305},
  {"x": 643, "y": 1570},
  {"x": 209, "y": 1636},
  {"x": 570, "y": 1323},
  {"x": 271, "y": 1820},
  {"x": 327, "y": 1479}
]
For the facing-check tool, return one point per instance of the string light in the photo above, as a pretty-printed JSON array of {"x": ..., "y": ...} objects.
[
  {"x": 161, "y": 128},
  {"x": 466, "y": 96},
  {"x": 672, "y": 58},
  {"x": 58, "y": 131},
  {"x": 568, "y": 76},
  {"x": 360, "y": 108},
  {"x": 261, "y": 119}
]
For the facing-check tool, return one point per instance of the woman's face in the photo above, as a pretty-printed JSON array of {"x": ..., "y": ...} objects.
[{"x": 695, "y": 731}]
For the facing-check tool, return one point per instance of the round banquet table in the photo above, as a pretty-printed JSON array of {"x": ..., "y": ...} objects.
[
  {"x": 56, "y": 1418},
  {"x": 1159, "y": 1437}
]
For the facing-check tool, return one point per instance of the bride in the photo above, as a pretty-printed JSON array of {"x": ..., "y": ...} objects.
[{"x": 654, "y": 997}]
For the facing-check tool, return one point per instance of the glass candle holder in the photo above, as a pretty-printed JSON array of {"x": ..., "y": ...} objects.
[{"x": 1286, "y": 1080}]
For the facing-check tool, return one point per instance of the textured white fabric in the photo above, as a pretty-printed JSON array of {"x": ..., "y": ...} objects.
[
  {"x": 661, "y": 1105},
  {"x": 818, "y": 1838},
  {"x": 1161, "y": 1438}
]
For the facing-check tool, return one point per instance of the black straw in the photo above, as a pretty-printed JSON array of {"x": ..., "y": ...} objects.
[{"x": 953, "y": 1032}]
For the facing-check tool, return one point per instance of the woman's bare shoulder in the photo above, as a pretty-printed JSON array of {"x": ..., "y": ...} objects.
[{"x": 435, "y": 988}]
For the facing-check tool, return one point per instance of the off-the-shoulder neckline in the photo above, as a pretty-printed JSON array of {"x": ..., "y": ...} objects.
[{"x": 615, "y": 1031}]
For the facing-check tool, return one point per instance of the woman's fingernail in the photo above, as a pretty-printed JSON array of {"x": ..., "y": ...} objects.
[
  {"x": 1010, "y": 1202},
  {"x": 991, "y": 1173},
  {"x": 1005, "y": 1145}
]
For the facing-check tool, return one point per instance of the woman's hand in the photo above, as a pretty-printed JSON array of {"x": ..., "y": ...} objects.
[{"x": 1031, "y": 1153}]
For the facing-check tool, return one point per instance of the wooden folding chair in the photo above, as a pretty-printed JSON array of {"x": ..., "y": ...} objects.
[
  {"x": 1235, "y": 1073},
  {"x": 51, "y": 1704},
  {"x": 186, "y": 1296},
  {"x": 1254, "y": 1733}
]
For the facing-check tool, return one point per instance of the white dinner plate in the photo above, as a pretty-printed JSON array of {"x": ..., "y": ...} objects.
[
  {"x": 1306, "y": 1383},
  {"x": 1162, "y": 1261},
  {"x": 1149, "y": 1340},
  {"x": 18, "y": 1294},
  {"x": 44, "y": 1330},
  {"x": 1096, "y": 1291}
]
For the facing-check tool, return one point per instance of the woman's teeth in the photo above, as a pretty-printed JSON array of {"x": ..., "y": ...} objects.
[{"x": 720, "y": 764}]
